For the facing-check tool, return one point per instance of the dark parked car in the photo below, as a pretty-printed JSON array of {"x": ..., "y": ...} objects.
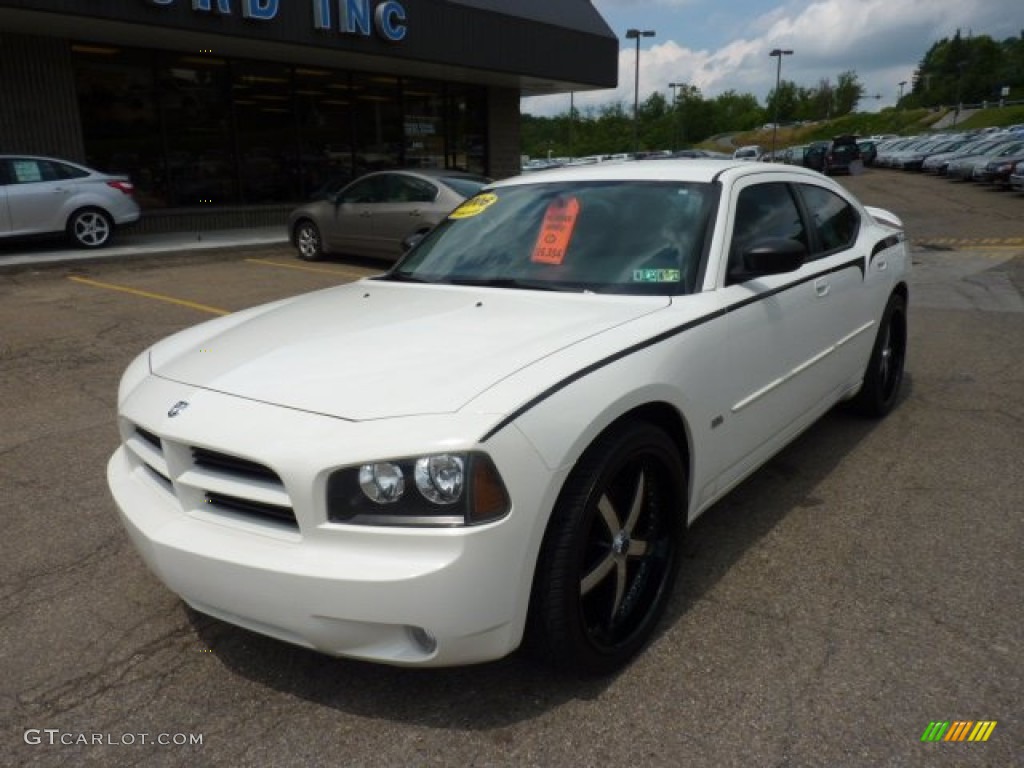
[
  {"x": 835, "y": 156},
  {"x": 375, "y": 214},
  {"x": 868, "y": 151},
  {"x": 998, "y": 171}
]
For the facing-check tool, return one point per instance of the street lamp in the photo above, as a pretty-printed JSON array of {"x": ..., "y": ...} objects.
[
  {"x": 636, "y": 34},
  {"x": 675, "y": 108},
  {"x": 901, "y": 84},
  {"x": 777, "y": 53}
]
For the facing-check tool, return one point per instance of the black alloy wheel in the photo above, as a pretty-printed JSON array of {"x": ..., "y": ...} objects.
[
  {"x": 884, "y": 374},
  {"x": 610, "y": 554}
]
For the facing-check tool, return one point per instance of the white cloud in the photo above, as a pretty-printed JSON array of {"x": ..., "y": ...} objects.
[{"x": 883, "y": 41}]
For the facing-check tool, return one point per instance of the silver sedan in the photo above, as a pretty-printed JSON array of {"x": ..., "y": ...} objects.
[
  {"x": 43, "y": 195},
  {"x": 375, "y": 214}
]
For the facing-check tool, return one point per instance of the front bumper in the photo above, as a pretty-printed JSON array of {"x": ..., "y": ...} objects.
[{"x": 405, "y": 596}]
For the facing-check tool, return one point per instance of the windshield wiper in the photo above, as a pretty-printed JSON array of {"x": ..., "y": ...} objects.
[
  {"x": 504, "y": 282},
  {"x": 403, "y": 277}
]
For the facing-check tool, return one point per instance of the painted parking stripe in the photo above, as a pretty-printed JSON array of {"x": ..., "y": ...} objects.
[
  {"x": 150, "y": 295},
  {"x": 304, "y": 268}
]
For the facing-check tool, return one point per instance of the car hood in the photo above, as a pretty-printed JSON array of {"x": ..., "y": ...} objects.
[{"x": 375, "y": 349}]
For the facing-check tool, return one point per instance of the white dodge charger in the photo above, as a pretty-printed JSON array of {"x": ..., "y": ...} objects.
[{"x": 502, "y": 440}]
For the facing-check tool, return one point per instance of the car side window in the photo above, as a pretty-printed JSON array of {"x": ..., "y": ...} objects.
[
  {"x": 764, "y": 211},
  {"x": 405, "y": 189},
  {"x": 370, "y": 190},
  {"x": 31, "y": 171},
  {"x": 64, "y": 171},
  {"x": 835, "y": 220}
]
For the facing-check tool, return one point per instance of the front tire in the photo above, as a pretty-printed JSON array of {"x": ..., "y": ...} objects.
[
  {"x": 308, "y": 241},
  {"x": 610, "y": 555},
  {"x": 884, "y": 374},
  {"x": 90, "y": 228}
]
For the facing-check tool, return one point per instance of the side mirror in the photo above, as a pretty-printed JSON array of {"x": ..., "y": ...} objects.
[
  {"x": 771, "y": 256},
  {"x": 412, "y": 240}
]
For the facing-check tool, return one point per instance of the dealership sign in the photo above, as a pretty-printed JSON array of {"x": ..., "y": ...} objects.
[{"x": 352, "y": 17}]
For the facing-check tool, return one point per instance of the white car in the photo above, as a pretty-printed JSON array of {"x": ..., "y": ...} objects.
[
  {"x": 44, "y": 195},
  {"x": 504, "y": 437},
  {"x": 752, "y": 152}
]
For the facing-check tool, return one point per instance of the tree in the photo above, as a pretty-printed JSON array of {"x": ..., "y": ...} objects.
[
  {"x": 783, "y": 102},
  {"x": 848, "y": 93}
]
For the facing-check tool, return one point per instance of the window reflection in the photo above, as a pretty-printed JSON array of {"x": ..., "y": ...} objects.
[
  {"x": 198, "y": 130},
  {"x": 195, "y": 97}
]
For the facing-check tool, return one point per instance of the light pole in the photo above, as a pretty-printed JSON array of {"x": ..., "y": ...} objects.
[
  {"x": 777, "y": 53},
  {"x": 901, "y": 84},
  {"x": 636, "y": 34},
  {"x": 675, "y": 108}
]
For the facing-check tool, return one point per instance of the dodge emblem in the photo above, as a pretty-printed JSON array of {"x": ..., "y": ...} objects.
[{"x": 177, "y": 408}]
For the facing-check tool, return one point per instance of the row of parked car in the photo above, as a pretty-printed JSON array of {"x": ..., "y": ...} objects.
[{"x": 992, "y": 157}]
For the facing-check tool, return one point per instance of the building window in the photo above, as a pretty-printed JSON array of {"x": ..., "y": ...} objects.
[{"x": 195, "y": 130}]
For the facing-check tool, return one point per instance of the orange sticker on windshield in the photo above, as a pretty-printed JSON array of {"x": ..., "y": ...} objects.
[{"x": 556, "y": 231}]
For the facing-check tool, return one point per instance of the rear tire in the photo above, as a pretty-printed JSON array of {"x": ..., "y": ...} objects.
[
  {"x": 884, "y": 374},
  {"x": 90, "y": 228},
  {"x": 611, "y": 552}
]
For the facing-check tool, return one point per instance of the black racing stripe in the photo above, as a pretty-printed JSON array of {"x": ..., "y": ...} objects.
[
  {"x": 664, "y": 335},
  {"x": 597, "y": 365}
]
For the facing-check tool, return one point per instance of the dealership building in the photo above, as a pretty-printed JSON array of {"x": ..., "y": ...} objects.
[{"x": 227, "y": 112}]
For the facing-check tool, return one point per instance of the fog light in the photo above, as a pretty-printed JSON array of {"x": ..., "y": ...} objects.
[
  {"x": 424, "y": 639},
  {"x": 383, "y": 482}
]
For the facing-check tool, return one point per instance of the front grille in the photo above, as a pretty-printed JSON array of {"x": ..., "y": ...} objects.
[
  {"x": 251, "y": 508},
  {"x": 222, "y": 462},
  {"x": 149, "y": 437},
  {"x": 209, "y": 481}
]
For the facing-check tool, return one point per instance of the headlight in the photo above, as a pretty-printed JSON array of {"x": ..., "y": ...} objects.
[{"x": 444, "y": 489}]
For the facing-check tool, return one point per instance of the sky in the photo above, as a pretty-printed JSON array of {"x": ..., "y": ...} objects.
[{"x": 721, "y": 45}]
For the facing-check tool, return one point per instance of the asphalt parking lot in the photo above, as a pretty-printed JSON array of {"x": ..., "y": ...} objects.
[{"x": 866, "y": 582}]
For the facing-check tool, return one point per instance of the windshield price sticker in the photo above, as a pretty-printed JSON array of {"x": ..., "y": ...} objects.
[
  {"x": 556, "y": 231},
  {"x": 656, "y": 275},
  {"x": 474, "y": 206}
]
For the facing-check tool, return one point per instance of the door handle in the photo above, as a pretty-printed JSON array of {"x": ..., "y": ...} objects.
[
  {"x": 882, "y": 265},
  {"x": 364, "y": 214},
  {"x": 415, "y": 212},
  {"x": 821, "y": 287}
]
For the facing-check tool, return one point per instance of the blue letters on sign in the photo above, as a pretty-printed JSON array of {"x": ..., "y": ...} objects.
[
  {"x": 390, "y": 20},
  {"x": 355, "y": 17},
  {"x": 263, "y": 10},
  {"x": 321, "y": 14},
  {"x": 224, "y": 6}
]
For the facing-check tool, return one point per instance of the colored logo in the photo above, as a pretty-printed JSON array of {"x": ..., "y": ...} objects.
[{"x": 959, "y": 730}]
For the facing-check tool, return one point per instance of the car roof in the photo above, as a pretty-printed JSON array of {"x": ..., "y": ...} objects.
[{"x": 691, "y": 169}]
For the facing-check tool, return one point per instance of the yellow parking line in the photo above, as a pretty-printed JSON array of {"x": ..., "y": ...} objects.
[
  {"x": 148, "y": 295},
  {"x": 344, "y": 272}
]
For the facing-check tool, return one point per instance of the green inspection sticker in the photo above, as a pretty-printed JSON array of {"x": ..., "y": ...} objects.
[
  {"x": 656, "y": 275},
  {"x": 474, "y": 206}
]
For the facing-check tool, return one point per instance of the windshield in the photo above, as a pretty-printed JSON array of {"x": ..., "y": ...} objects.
[{"x": 628, "y": 237}]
